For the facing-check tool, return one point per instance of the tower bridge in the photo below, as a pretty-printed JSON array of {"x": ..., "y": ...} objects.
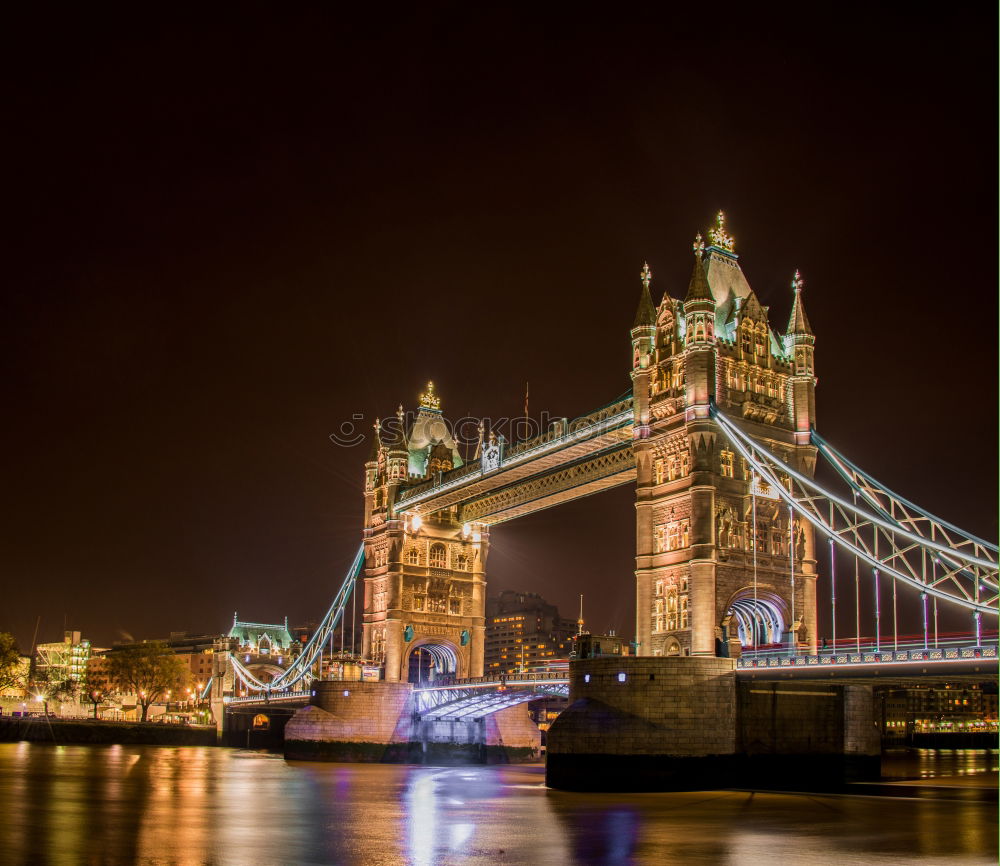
[{"x": 718, "y": 434}]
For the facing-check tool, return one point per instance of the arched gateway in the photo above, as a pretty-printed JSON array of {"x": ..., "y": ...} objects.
[{"x": 720, "y": 563}]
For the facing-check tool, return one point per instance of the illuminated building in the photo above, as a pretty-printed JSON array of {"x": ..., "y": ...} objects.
[
  {"x": 524, "y": 633},
  {"x": 949, "y": 709},
  {"x": 63, "y": 662},
  {"x": 717, "y": 554},
  {"x": 721, "y": 563}
]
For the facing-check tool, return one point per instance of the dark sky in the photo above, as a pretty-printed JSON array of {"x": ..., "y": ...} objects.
[{"x": 231, "y": 231}]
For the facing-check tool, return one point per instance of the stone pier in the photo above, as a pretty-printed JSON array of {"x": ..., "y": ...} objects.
[
  {"x": 378, "y": 722},
  {"x": 683, "y": 723}
]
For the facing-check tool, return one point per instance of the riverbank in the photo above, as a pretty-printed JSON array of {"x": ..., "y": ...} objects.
[{"x": 92, "y": 732}]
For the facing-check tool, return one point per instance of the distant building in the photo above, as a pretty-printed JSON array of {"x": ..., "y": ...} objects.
[
  {"x": 524, "y": 632},
  {"x": 63, "y": 662},
  {"x": 924, "y": 709},
  {"x": 592, "y": 646}
]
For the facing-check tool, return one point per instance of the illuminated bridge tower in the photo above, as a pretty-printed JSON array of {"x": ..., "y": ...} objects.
[
  {"x": 424, "y": 577},
  {"x": 720, "y": 562}
]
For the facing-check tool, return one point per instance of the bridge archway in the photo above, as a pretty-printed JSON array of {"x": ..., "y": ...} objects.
[
  {"x": 429, "y": 661},
  {"x": 759, "y": 621}
]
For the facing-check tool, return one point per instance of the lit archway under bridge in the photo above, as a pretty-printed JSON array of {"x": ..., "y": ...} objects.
[
  {"x": 759, "y": 621},
  {"x": 431, "y": 661}
]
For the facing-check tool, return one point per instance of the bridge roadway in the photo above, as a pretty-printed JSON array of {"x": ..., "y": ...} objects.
[
  {"x": 572, "y": 460},
  {"x": 481, "y": 696}
]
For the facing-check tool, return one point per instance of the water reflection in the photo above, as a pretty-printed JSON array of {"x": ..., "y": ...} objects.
[{"x": 128, "y": 804}]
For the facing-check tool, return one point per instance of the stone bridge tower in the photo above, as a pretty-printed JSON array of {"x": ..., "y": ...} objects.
[
  {"x": 718, "y": 554},
  {"x": 424, "y": 577}
]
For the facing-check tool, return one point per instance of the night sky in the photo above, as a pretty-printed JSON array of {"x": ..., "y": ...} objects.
[{"x": 230, "y": 232}]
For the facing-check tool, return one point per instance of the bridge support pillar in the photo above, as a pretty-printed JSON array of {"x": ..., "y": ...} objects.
[{"x": 684, "y": 723}]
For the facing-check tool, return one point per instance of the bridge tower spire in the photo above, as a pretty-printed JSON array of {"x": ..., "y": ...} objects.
[{"x": 800, "y": 345}]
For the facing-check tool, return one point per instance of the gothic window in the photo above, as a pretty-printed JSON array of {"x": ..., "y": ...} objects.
[
  {"x": 699, "y": 331},
  {"x": 726, "y": 462},
  {"x": 685, "y": 533},
  {"x": 685, "y": 460},
  {"x": 379, "y": 600},
  {"x": 659, "y": 538},
  {"x": 658, "y": 623},
  {"x": 438, "y": 556},
  {"x": 760, "y": 343},
  {"x": 455, "y": 606},
  {"x": 658, "y": 607},
  {"x": 659, "y": 587},
  {"x": 678, "y": 376},
  {"x": 684, "y": 584},
  {"x": 684, "y": 613},
  {"x": 746, "y": 339},
  {"x": 413, "y": 556},
  {"x": 462, "y": 562},
  {"x": 418, "y": 602},
  {"x": 658, "y": 471},
  {"x": 672, "y": 536}
]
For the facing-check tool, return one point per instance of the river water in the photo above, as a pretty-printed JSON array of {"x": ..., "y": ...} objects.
[{"x": 190, "y": 805}]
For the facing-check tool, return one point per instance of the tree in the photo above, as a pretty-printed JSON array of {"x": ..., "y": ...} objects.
[
  {"x": 51, "y": 685},
  {"x": 147, "y": 670},
  {"x": 11, "y": 672}
]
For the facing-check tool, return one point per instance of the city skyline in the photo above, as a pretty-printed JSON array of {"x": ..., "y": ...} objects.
[{"x": 227, "y": 293}]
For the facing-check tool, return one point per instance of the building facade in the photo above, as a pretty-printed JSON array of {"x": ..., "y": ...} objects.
[
  {"x": 525, "y": 633},
  {"x": 720, "y": 563},
  {"x": 424, "y": 577},
  {"x": 64, "y": 661}
]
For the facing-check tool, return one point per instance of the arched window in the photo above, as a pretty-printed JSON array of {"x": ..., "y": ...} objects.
[
  {"x": 461, "y": 562},
  {"x": 726, "y": 463},
  {"x": 438, "y": 556},
  {"x": 261, "y": 722},
  {"x": 413, "y": 556},
  {"x": 658, "y": 471},
  {"x": 699, "y": 331},
  {"x": 746, "y": 338}
]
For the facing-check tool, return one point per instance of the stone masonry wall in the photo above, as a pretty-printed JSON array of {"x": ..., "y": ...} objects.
[{"x": 677, "y": 706}]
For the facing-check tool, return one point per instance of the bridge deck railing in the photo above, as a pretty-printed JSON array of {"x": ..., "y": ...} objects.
[{"x": 869, "y": 656}]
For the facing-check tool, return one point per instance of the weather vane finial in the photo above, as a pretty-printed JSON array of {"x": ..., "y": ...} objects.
[
  {"x": 430, "y": 400},
  {"x": 797, "y": 282},
  {"x": 698, "y": 246},
  {"x": 718, "y": 236},
  {"x": 646, "y": 275}
]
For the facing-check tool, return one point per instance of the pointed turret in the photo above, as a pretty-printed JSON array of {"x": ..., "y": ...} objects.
[
  {"x": 646, "y": 313},
  {"x": 376, "y": 442},
  {"x": 798, "y": 324},
  {"x": 800, "y": 345},
  {"x": 698, "y": 289}
]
